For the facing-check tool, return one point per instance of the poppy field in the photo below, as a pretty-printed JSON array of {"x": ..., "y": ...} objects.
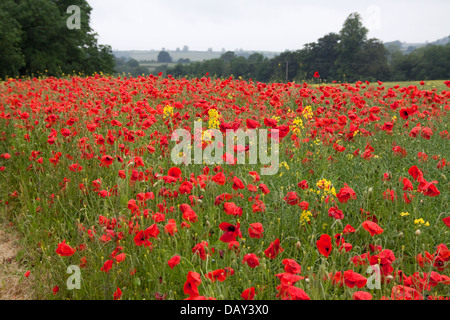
[{"x": 357, "y": 208}]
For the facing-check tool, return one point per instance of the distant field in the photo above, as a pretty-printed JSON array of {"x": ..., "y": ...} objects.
[
  {"x": 151, "y": 66},
  {"x": 176, "y": 55}
]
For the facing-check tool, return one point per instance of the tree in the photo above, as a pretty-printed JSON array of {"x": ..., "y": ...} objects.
[
  {"x": 164, "y": 57},
  {"x": 45, "y": 44},
  {"x": 321, "y": 57},
  {"x": 352, "y": 37},
  {"x": 372, "y": 61},
  {"x": 227, "y": 56},
  {"x": 133, "y": 63},
  {"x": 12, "y": 58}
]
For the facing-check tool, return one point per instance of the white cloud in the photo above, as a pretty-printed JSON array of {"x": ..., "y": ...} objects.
[{"x": 259, "y": 25}]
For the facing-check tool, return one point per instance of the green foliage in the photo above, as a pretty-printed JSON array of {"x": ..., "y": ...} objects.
[
  {"x": 34, "y": 38},
  {"x": 164, "y": 57},
  {"x": 345, "y": 56},
  {"x": 12, "y": 58},
  {"x": 129, "y": 67}
]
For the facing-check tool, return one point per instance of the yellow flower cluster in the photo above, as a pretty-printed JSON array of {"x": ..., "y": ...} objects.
[
  {"x": 168, "y": 111},
  {"x": 326, "y": 186},
  {"x": 213, "y": 122},
  {"x": 307, "y": 112},
  {"x": 297, "y": 125},
  {"x": 421, "y": 221},
  {"x": 276, "y": 118},
  {"x": 284, "y": 164},
  {"x": 404, "y": 214},
  {"x": 305, "y": 217}
]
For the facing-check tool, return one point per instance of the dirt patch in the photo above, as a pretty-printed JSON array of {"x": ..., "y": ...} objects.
[{"x": 13, "y": 284}]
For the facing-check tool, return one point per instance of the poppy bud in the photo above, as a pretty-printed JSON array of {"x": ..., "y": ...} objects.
[
  {"x": 400, "y": 234},
  {"x": 417, "y": 232},
  {"x": 298, "y": 245}
]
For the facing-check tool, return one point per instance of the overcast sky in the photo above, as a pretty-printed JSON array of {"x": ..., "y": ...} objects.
[{"x": 260, "y": 25}]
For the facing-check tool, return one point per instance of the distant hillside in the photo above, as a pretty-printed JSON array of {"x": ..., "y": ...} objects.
[
  {"x": 408, "y": 47},
  {"x": 152, "y": 55}
]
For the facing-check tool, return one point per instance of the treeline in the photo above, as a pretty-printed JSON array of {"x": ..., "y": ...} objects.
[
  {"x": 345, "y": 56},
  {"x": 35, "y": 39}
]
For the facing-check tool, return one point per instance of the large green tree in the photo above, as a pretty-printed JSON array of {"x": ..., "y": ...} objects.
[
  {"x": 352, "y": 38},
  {"x": 35, "y": 38},
  {"x": 12, "y": 58}
]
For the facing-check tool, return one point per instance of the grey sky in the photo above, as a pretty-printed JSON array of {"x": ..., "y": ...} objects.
[{"x": 261, "y": 25}]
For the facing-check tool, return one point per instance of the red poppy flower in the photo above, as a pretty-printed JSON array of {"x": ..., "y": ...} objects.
[
  {"x": 316, "y": 74},
  {"x": 407, "y": 184},
  {"x": 251, "y": 259},
  {"x": 415, "y": 131},
  {"x": 170, "y": 227},
  {"x": 291, "y": 198},
  {"x": 231, "y": 232},
  {"x": 335, "y": 213},
  {"x": 346, "y": 246},
  {"x": 405, "y": 293},
  {"x": 255, "y": 176},
  {"x": 264, "y": 189},
  {"x": 273, "y": 250},
  {"x": 258, "y": 206},
  {"x": 256, "y": 230},
  {"x": 345, "y": 194},
  {"x": 415, "y": 172},
  {"x": 429, "y": 189},
  {"x": 231, "y": 208},
  {"x": 252, "y": 188},
  {"x": 348, "y": 229},
  {"x": 118, "y": 294},
  {"x": 107, "y": 266},
  {"x": 361, "y": 295},
  {"x": 174, "y": 261},
  {"x": 287, "y": 281},
  {"x": 219, "y": 275},
  {"x": 303, "y": 185},
  {"x": 324, "y": 245},
  {"x": 64, "y": 249},
  {"x": 219, "y": 178},
  {"x": 426, "y": 133},
  {"x": 283, "y": 131},
  {"x": 237, "y": 183},
  {"x": 304, "y": 205},
  {"x": 291, "y": 266},
  {"x": 252, "y": 124},
  {"x": 200, "y": 249},
  {"x": 107, "y": 160},
  {"x": 193, "y": 280},
  {"x": 248, "y": 294},
  {"x": 185, "y": 187},
  {"x": 120, "y": 257},
  {"x": 142, "y": 239},
  {"x": 75, "y": 167},
  {"x": 55, "y": 290},
  {"x": 352, "y": 279},
  {"x": 372, "y": 227},
  {"x": 447, "y": 221},
  {"x": 270, "y": 122},
  {"x": 188, "y": 214},
  {"x": 152, "y": 231},
  {"x": 295, "y": 293},
  {"x": 174, "y": 172}
]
